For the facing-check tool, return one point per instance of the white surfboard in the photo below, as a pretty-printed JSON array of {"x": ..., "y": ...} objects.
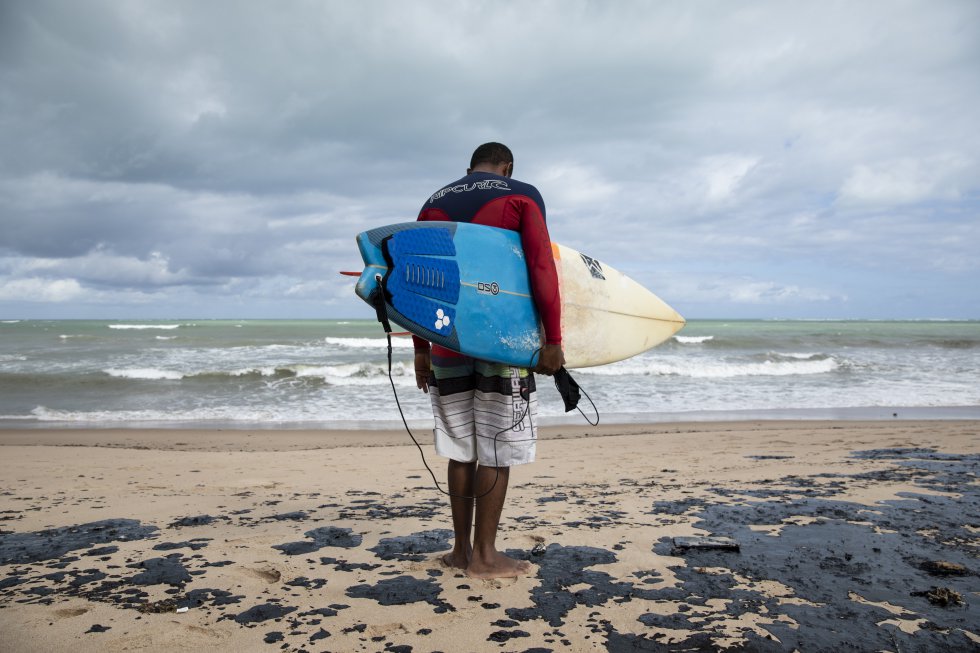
[{"x": 606, "y": 316}]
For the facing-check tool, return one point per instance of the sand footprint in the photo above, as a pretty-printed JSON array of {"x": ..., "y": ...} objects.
[
  {"x": 384, "y": 630},
  {"x": 268, "y": 574},
  {"x": 500, "y": 583}
]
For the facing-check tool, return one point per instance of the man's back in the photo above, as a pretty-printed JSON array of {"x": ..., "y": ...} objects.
[
  {"x": 497, "y": 201},
  {"x": 484, "y": 412}
]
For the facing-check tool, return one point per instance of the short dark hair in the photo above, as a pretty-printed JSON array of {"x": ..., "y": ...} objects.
[{"x": 492, "y": 153}]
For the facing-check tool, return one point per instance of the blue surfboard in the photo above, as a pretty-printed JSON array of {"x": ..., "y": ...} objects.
[{"x": 462, "y": 286}]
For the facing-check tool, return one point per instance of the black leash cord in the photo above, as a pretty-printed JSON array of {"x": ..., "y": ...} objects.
[
  {"x": 378, "y": 299},
  {"x": 496, "y": 477},
  {"x": 382, "y": 311},
  {"x": 568, "y": 378}
]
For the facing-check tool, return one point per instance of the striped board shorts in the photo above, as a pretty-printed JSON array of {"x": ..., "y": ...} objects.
[{"x": 483, "y": 411}]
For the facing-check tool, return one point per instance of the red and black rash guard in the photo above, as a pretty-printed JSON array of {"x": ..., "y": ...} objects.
[{"x": 489, "y": 199}]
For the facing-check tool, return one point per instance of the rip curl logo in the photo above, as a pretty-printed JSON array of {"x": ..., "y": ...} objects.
[
  {"x": 486, "y": 184},
  {"x": 488, "y": 288},
  {"x": 594, "y": 267},
  {"x": 442, "y": 320}
]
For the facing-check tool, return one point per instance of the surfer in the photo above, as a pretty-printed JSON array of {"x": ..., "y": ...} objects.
[{"x": 484, "y": 412}]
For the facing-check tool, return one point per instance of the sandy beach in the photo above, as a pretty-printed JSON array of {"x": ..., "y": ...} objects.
[{"x": 757, "y": 536}]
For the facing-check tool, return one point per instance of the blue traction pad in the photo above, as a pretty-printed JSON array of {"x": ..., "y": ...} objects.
[
  {"x": 434, "y": 241},
  {"x": 424, "y": 287}
]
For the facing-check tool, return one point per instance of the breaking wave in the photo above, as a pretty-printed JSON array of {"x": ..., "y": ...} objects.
[
  {"x": 139, "y": 327},
  {"x": 693, "y": 340},
  {"x": 776, "y": 366},
  {"x": 380, "y": 344},
  {"x": 349, "y": 374}
]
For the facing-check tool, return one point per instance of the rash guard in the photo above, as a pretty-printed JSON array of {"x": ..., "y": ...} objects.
[{"x": 489, "y": 199}]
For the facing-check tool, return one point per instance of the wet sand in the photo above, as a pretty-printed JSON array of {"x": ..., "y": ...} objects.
[{"x": 757, "y": 536}]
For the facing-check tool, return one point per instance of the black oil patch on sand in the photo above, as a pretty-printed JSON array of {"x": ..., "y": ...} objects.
[
  {"x": 402, "y": 590},
  {"x": 21, "y": 548},
  {"x": 413, "y": 547},
  {"x": 837, "y": 562},
  {"x": 320, "y": 538}
]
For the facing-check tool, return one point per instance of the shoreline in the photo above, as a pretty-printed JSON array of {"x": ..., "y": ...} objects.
[
  {"x": 276, "y": 440},
  {"x": 573, "y": 420},
  {"x": 834, "y": 534}
]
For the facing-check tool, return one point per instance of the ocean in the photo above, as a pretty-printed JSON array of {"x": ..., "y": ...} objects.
[{"x": 334, "y": 374}]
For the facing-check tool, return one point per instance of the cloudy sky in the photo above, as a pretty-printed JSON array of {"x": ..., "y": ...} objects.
[{"x": 741, "y": 159}]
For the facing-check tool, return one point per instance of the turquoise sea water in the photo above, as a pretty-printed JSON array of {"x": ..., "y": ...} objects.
[{"x": 333, "y": 373}]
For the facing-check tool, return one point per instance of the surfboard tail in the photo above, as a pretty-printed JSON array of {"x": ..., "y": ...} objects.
[{"x": 374, "y": 267}]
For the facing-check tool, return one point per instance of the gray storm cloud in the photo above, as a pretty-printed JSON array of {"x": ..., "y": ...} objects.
[{"x": 759, "y": 159}]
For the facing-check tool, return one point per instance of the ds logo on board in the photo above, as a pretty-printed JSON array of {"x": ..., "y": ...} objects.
[{"x": 488, "y": 288}]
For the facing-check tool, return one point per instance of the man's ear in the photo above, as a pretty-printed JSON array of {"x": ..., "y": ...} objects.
[{"x": 509, "y": 170}]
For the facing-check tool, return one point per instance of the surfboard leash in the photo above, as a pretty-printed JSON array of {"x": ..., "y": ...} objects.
[
  {"x": 378, "y": 301},
  {"x": 571, "y": 392},
  {"x": 568, "y": 388},
  {"x": 408, "y": 430}
]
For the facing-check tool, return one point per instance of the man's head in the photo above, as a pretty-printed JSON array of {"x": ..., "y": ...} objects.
[{"x": 492, "y": 157}]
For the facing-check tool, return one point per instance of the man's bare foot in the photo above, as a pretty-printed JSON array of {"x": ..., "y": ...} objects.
[
  {"x": 497, "y": 566},
  {"x": 455, "y": 560}
]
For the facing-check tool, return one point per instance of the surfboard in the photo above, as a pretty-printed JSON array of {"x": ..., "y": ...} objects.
[{"x": 466, "y": 288}]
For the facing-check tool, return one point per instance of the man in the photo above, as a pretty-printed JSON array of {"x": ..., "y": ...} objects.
[{"x": 484, "y": 412}]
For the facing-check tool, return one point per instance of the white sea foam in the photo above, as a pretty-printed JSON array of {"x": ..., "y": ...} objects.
[
  {"x": 166, "y": 337},
  {"x": 356, "y": 374},
  {"x": 145, "y": 374},
  {"x": 10, "y": 322},
  {"x": 139, "y": 327},
  {"x": 351, "y": 405},
  {"x": 221, "y": 413},
  {"x": 697, "y": 369},
  {"x": 347, "y": 374},
  {"x": 343, "y": 375},
  {"x": 693, "y": 340},
  {"x": 249, "y": 371},
  {"x": 380, "y": 344}
]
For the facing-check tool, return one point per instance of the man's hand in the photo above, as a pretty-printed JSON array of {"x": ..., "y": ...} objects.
[
  {"x": 422, "y": 365},
  {"x": 550, "y": 360}
]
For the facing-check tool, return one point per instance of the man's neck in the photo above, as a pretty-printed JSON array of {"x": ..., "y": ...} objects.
[{"x": 501, "y": 170}]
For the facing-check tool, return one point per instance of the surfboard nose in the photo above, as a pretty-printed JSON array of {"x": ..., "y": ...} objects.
[
  {"x": 677, "y": 318},
  {"x": 679, "y": 322}
]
